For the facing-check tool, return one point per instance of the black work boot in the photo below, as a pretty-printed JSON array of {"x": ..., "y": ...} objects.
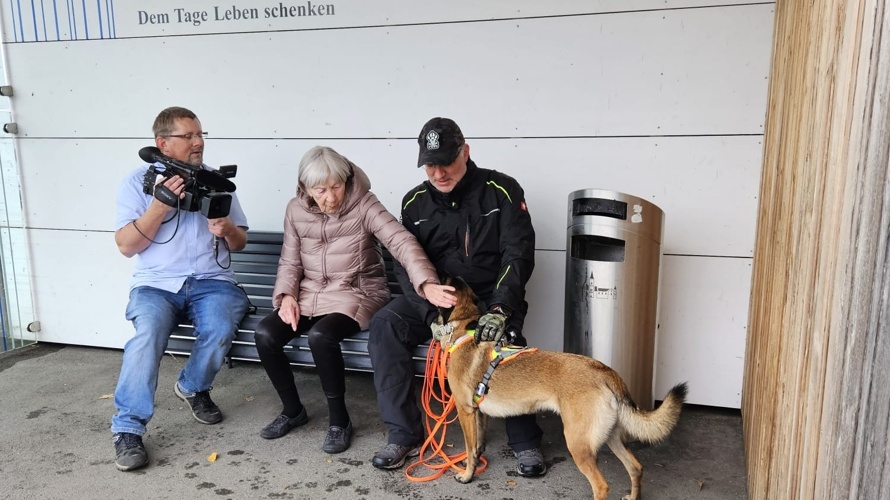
[
  {"x": 392, "y": 456},
  {"x": 530, "y": 463}
]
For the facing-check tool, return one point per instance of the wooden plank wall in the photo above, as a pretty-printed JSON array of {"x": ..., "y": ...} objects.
[{"x": 816, "y": 393}]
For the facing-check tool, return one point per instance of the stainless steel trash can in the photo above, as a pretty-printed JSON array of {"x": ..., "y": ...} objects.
[{"x": 612, "y": 270}]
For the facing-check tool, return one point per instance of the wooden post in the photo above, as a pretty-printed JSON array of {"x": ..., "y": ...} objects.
[{"x": 816, "y": 396}]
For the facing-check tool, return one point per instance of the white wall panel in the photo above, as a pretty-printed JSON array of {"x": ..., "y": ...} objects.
[
  {"x": 706, "y": 185},
  {"x": 703, "y": 316},
  {"x": 544, "y": 323},
  {"x": 697, "y": 71},
  {"x": 81, "y": 283}
]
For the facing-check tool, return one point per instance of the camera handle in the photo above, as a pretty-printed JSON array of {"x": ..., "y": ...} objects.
[
  {"x": 168, "y": 197},
  {"x": 165, "y": 196}
]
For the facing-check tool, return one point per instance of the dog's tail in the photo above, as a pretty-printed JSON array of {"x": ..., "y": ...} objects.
[{"x": 653, "y": 426}]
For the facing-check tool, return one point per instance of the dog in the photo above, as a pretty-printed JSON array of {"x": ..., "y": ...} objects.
[{"x": 591, "y": 398}]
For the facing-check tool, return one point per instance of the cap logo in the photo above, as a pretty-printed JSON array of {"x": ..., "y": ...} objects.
[{"x": 432, "y": 140}]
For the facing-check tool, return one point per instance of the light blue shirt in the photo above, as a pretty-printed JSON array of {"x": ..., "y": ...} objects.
[{"x": 188, "y": 254}]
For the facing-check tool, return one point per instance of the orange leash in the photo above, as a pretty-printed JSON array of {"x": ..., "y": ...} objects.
[{"x": 432, "y": 454}]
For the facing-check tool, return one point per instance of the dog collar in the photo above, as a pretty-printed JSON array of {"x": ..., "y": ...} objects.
[{"x": 457, "y": 343}]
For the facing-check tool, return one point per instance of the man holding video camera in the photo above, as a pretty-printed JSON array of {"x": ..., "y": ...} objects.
[{"x": 180, "y": 274}]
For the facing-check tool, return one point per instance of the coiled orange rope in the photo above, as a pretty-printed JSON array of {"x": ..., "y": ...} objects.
[{"x": 435, "y": 389}]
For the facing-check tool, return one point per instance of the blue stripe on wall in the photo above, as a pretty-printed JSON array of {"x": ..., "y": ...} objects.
[
  {"x": 86, "y": 26},
  {"x": 34, "y": 19},
  {"x": 43, "y": 17},
  {"x": 101, "y": 28},
  {"x": 21, "y": 22},
  {"x": 56, "y": 17},
  {"x": 15, "y": 32},
  {"x": 109, "y": 16},
  {"x": 73, "y": 14}
]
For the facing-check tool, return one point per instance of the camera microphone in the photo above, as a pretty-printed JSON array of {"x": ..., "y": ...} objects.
[{"x": 210, "y": 179}]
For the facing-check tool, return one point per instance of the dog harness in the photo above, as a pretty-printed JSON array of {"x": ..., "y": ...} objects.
[{"x": 499, "y": 354}]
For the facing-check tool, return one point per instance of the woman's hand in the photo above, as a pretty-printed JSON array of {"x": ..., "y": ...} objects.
[
  {"x": 289, "y": 312},
  {"x": 439, "y": 295}
]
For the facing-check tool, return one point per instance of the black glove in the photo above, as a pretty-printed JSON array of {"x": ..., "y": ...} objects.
[{"x": 491, "y": 327}]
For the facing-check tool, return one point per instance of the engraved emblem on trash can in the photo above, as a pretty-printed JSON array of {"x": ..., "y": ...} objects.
[{"x": 591, "y": 291}]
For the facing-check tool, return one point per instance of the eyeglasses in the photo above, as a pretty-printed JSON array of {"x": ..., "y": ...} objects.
[{"x": 189, "y": 137}]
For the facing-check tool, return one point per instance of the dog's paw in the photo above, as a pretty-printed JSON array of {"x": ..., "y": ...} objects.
[{"x": 464, "y": 477}]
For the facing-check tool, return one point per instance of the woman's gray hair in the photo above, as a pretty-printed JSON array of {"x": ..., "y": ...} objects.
[{"x": 321, "y": 163}]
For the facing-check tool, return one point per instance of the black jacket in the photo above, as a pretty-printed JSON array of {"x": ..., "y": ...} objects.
[{"x": 481, "y": 231}]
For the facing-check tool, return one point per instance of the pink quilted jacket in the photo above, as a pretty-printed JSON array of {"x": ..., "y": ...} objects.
[{"x": 330, "y": 263}]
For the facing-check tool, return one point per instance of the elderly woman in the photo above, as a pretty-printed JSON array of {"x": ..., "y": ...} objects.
[{"x": 330, "y": 283}]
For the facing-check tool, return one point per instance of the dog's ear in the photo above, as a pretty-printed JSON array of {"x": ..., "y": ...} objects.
[
  {"x": 459, "y": 284},
  {"x": 444, "y": 314}
]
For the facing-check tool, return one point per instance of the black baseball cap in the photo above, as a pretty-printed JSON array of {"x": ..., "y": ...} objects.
[{"x": 440, "y": 141}]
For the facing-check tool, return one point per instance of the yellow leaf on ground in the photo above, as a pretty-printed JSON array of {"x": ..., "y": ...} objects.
[
  {"x": 106, "y": 396},
  {"x": 212, "y": 457},
  {"x": 511, "y": 483}
]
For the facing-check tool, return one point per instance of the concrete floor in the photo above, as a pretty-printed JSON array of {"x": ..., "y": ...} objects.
[{"x": 55, "y": 443}]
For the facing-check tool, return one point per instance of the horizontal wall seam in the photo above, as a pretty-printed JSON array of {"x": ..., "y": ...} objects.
[{"x": 475, "y": 138}]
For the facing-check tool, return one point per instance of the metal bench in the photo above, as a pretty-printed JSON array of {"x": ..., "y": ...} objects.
[{"x": 255, "y": 269}]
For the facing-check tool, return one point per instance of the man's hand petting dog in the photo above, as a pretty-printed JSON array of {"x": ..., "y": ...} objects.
[{"x": 491, "y": 327}]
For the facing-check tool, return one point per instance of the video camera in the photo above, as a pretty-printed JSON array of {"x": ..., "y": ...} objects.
[{"x": 206, "y": 191}]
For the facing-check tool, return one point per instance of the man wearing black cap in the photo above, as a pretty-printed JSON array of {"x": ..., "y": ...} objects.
[{"x": 473, "y": 223}]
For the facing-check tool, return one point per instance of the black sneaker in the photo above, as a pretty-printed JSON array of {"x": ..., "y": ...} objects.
[
  {"x": 203, "y": 408},
  {"x": 129, "y": 450},
  {"x": 392, "y": 456},
  {"x": 283, "y": 424},
  {"x": 530, "y": 463},
  {"x": 337, "y": 439}
]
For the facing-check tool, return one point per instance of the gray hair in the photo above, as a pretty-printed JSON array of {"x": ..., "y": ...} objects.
[{"x": 321, "y": 163}]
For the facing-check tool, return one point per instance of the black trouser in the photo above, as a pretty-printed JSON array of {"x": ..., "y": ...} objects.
[
  {"x": 324, "y": 332},
  {"x": 395, "y": 331}
]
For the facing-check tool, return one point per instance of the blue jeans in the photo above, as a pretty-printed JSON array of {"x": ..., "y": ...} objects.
[{"x": 215, "y": 307}]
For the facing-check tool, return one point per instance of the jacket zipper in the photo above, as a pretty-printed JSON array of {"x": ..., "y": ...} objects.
[
  {"x": 324, "y": 270},
  {"x": 467, "y": 238}
]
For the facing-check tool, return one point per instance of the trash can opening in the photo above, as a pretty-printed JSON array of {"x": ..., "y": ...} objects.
[
  {"x": 599, "y": 206},
  {"x": 600, "y": 248}
]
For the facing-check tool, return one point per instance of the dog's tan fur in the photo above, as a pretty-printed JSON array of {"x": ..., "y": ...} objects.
[{"x": 593, "y": 401}]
